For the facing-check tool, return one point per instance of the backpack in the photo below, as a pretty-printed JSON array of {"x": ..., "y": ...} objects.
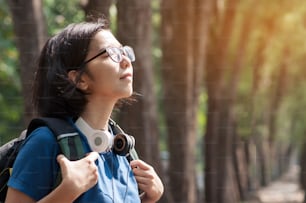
[{"x": 67, "y": 137}]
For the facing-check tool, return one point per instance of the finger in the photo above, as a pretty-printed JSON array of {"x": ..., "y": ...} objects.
[
  {"x": 144, "y": 171},
  {"x": 141, "y": 180},
  {"x": 142, "y": 176},
  {"x": 141, "y": 164},
  {"x": 92, "y": 156},
  {"x": 139, "y": 172},
  {"x": 143, "y": 186}
]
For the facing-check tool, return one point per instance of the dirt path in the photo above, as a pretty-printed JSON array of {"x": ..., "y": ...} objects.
[{"x": 284, "y": 190}]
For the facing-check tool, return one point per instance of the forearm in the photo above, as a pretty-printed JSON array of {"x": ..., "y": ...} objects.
[{"x": 61, "y": 194}]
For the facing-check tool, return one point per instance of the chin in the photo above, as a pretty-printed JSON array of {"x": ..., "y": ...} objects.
[
  {"x": 130, "y": 94},
  {"x": 127, "y": 94},
  {"x": 130, "y": 91},
  {"x": 124, "y": 92}
]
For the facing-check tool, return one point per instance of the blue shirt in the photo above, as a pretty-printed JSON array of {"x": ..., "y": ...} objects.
[{"x": 35, "y": 171}]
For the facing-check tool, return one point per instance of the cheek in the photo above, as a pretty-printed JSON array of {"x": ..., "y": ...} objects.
[
  {"x": 104, "y": 81},
  {"x": 104, "y": 74}
]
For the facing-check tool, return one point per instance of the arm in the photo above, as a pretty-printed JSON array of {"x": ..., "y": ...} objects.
[
  {"x": 78, "y": 177},
  {"x": 148, "y": 181}
]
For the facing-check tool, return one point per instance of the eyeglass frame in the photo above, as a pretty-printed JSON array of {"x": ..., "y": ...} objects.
[{"x": 123, "y": 50}]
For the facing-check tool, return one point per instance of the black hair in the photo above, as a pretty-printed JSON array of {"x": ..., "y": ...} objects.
[{"x": 55, "y": 95}]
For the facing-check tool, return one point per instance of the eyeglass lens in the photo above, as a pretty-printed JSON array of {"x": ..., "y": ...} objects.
[{"x": 116, "y": 53}]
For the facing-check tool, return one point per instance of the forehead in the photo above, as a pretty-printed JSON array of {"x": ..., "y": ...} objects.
[{"x": 103, "y": 39}]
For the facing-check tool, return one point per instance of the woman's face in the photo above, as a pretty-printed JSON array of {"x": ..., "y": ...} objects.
[{"x": 108, "y": 79}]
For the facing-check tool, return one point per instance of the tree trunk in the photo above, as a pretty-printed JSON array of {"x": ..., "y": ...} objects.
[
  {"x": 140, "y": 119},
  {"x": 256, "y": 118},
  {"x": 239, "y": 162},
  {"x": 184, "y": 32},
  {"x": 302, "y": 160},
  {"x": 218, "y": 144},
  {"x": 96, "y": 8},
  {"x": 30, "y": 31},
  {"x": 278, "y": 92},
  {"x": 177, "y": 81}
]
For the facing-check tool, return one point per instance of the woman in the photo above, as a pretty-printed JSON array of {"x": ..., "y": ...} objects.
[{"x": 83, "y": 72}]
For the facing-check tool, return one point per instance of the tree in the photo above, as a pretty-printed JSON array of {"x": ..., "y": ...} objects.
[
  {"x": 96, "y": 8},
  {"x": 11, "y": 103},
  {"x": 140, "y": 119},
  {"x": 254, "y": 83},
  {"x": 30, "y": 32},
  {"x": 218, "y": 143},
  {"x": 134, "y": 28},
  {"x": 184, "y": 37}
]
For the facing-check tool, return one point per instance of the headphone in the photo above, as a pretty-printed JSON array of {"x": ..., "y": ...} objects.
[{"x": 103, "y": 141}]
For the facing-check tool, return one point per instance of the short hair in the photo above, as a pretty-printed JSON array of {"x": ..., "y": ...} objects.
[{"x": 54, "y": 94}]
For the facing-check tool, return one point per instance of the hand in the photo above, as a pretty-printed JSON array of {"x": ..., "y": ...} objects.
[
  {"x": 80, "y": 175},
  {"x": 148, "y": 181}
]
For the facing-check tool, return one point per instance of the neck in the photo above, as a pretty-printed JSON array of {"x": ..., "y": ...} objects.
[{"x": 97, "y": 114}]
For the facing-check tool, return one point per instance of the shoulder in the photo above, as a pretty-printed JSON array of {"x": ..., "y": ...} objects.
[
  {"x": 35, "y": 168},
  {"x": 41, "y": 140},
  {"x": 41, "y": 135}
]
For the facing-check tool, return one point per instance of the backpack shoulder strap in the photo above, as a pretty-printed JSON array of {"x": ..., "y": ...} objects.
[
  {"x": 68, "y": 137},
  {"x": 57, "y": 125},
  {"x": 65, "y": 134},
  {"x": 132, "y": 155}
]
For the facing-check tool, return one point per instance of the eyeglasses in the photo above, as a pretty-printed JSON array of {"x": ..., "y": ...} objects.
[{"x": 115, "y": 53}]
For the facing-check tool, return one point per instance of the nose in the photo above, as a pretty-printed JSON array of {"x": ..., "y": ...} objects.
[{"x": 125, "y": 62}]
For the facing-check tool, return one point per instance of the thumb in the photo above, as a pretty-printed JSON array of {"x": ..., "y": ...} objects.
[{"x": 63, "y": 162}]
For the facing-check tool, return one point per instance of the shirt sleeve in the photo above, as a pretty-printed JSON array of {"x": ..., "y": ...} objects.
[{"x": 35, "y": 169}]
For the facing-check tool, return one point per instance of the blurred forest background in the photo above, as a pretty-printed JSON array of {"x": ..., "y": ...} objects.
[{"x": 221, "y": 86}]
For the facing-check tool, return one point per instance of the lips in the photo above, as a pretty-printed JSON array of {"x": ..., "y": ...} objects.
[{"x": 127, "y": 75}]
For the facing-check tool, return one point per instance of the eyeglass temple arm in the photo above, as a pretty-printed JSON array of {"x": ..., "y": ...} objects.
[{"x": 99, "y": 54}]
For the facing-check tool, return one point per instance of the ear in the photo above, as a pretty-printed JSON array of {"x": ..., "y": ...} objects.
[{"x": 78, "y": 80}]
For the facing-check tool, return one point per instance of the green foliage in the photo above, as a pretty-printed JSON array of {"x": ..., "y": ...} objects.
[
  {"x": 61, "y": 13},
  {"x": 11, "y": 102},
  {"x": 281, "y": 28},
  {"x": 113, "y": 18},
  {"x": 58, "y": 14}
]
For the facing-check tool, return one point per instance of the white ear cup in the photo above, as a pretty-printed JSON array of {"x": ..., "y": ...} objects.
[{"x": 98, "y": 140}]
